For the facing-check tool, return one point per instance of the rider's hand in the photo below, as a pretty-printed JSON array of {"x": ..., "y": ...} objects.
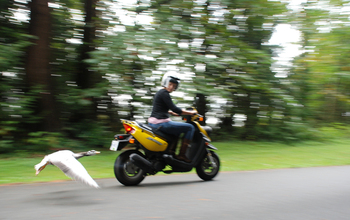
[
  {"x": 194, "y": 112},
  {"x": 173, "y": 113}
]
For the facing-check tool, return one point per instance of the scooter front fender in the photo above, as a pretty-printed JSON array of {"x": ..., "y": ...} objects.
[{"x": 210, "y": 146}]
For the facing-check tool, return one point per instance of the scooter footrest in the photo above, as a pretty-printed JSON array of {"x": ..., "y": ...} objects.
[
  {"x": 177, "y": 164},
  {"x": 168, "y": 156}
]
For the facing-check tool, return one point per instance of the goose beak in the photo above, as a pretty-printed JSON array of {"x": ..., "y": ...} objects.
[
  {"x": 97, "y": 152},
  {"x": 40, "y": 169}
]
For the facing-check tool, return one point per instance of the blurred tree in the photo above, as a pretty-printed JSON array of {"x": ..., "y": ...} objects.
[
  {"x": 86, "y": 78},
  {"x": 86, "y": 66},
  {"x": 37, "y": 66},
  {"x": 13, "y": 41},
  {"x": 229, "y": 39},
  {"x": 49, "y": 96},
  {"x": 223, "y": 43},
  {"x": 321, "y": 74},
  {"x": 127, "y": 65}
]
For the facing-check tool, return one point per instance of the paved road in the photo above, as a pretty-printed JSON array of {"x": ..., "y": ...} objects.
[{"x": 295, "y": 194}]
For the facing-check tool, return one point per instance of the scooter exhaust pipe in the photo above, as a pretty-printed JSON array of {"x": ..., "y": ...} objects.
[{"x": 142, "y": 163}]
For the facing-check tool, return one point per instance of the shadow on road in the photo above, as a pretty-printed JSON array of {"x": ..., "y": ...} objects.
[
  {"x": 62, "y": 198},
  {"x": 157, "y": 184}
]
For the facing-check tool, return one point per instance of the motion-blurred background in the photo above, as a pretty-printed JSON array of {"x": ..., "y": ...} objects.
[{"x": 69, "y": 70}]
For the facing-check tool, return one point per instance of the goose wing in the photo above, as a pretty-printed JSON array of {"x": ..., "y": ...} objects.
[{"x": 74, "y": 169}]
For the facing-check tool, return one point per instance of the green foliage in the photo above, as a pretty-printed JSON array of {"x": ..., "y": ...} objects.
[
  {"x": 320, "y": 75},
  {"x": 217, "y": 47},
  {"x": 90, "y": 135},
  {"x": 288, "y": 132},
  {"x": 285, "y": 132},
  {"x": 42, "y": 141},
  {"x": 334, "y": 131}
]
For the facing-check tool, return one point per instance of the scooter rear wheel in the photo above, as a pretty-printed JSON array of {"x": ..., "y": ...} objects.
[
  {"x": 126, "y": 172},
  {"x": 206, "y": 170}
]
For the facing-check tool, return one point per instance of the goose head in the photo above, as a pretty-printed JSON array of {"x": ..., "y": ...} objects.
[
  {"x": 92, "y": 152},
  {"x": 40, "y": 166}
]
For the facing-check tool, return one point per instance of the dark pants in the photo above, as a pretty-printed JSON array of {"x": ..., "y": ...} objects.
[{"x": 176, "y": 128}]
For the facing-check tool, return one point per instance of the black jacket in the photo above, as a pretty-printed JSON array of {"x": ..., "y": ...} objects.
[{"x": 162, "y": 103}]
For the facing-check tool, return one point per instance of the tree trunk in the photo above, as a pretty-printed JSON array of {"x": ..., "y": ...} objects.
[
  {"x": 87, "y": 78},
  {"x": 201, "y": 106},
  {"x": 37, "y": 65},
  {"x": 252, "y": 119}
]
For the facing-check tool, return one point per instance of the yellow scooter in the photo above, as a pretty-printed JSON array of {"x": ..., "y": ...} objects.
[{"x": 150, "y": 151}]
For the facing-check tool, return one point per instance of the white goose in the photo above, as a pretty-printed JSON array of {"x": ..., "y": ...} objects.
[{"x": 67, "y": 161}]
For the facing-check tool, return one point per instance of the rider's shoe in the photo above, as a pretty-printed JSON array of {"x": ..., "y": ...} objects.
[
  {"x": 182, "y": 154},
  {"x": 183, "y": 158}
]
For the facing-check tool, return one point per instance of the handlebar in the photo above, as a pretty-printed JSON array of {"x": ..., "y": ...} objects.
[{"x": 194, "y": 117}]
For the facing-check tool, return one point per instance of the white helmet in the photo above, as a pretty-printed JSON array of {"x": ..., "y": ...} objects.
[{"x": 167, "y": 79}]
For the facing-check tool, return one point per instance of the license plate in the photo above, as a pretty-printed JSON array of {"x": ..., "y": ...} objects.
[{"x": 114, "y": 145}]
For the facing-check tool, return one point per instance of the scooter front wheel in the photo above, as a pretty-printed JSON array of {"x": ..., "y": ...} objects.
[
  {"x": 126, "y": 172},
  {"x": 208, "y": 168}
]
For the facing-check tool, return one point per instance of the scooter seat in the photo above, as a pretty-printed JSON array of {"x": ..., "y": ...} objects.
[{"x": 167, "y": 137}]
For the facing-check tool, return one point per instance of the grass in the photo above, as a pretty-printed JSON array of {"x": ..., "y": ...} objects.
[
  {"x": 234, "y": 156},
  {"x": 263, "y": 155}
]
